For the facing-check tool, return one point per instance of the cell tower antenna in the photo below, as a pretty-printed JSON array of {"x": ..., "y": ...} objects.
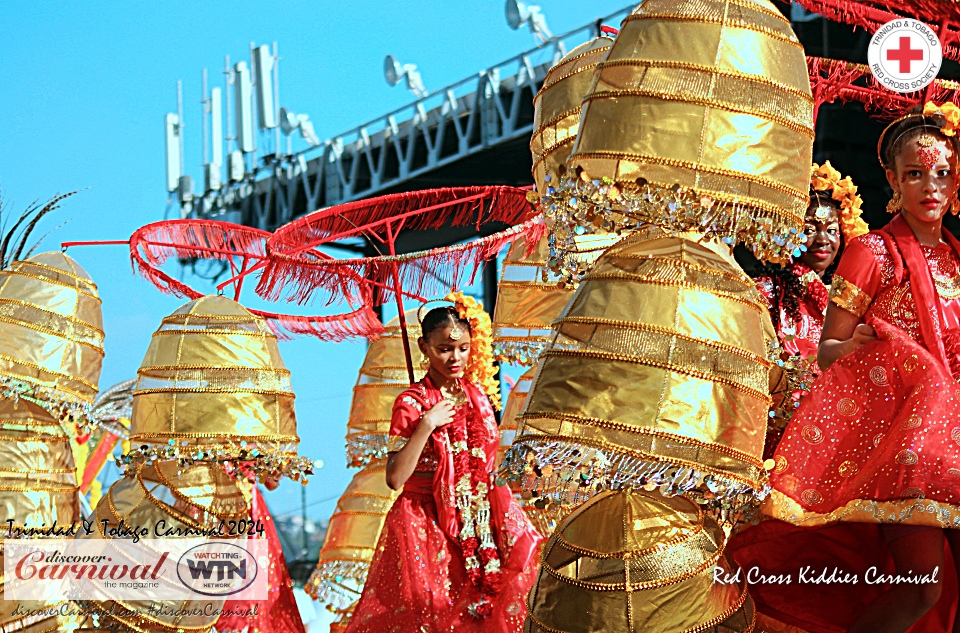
[
  {"x": 180, "y": 124},
  {"x": 276, "y": 99},
  {"x": 228, "y": 84},
  {"x": 205, "y": 107}
]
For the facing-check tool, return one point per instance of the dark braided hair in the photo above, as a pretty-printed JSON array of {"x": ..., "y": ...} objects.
[
  {"x": 787, "y": 288},
  {"x": 437, "y": 318}
]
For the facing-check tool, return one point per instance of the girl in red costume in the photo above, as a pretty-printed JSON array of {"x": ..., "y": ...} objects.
[
  {"x": 795, "y": 294},
  {"x": 874, "y": 450},
  {"x": 456, "y": 552}
]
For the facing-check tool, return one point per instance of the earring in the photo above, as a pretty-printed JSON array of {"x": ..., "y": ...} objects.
[
  {"x": 895, "y": 204},
  {"x": 955, "y": 206},
  {"x": 425, "y": 363}
]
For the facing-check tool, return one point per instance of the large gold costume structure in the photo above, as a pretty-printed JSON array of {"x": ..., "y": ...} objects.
[
  {"x": 530, "y": 296},
  {"x": 696, "y": 134},
  {"x": 657, "y": 374},
  {"x": 51, "y": 348},
  {"x": 636, "y": 562},
  {"x": 212, "y": 395}
]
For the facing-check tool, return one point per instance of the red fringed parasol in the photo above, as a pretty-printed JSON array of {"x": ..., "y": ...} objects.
[
  {"x": 290, "y": 264},
  {"x": 297, "y": 269},
  {"x": 832, "y": 80},
  {"x": 244, "y": 248}
]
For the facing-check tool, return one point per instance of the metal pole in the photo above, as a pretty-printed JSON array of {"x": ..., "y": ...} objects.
[
  {"x": 397, "y": 289},
  {"x": 303, "y": 517}
]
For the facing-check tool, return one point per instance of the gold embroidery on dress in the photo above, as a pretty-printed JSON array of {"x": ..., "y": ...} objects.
[{"x": 948, "y": 285}]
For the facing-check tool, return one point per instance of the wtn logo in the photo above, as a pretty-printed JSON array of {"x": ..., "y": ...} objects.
[{"x": 224, "y": 569}]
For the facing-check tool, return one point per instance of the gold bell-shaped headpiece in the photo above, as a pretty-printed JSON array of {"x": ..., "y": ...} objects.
[
  {"x": 634, "y": 561},
  {"x": 700, "y": 118},
  {"x": 556, "y": 108},
  {"x": 383, "y": 377},
  {"x": 351, "y": 539},
  {"x": 51, "y": 333},
  {"x": 212, "y": 387},
  {"x": 658, "y": 375}
]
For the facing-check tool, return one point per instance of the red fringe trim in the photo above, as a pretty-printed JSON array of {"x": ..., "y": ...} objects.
[
  {"x": 424, "y": 273},
  {"x": 152, "y": 245},
  {"x": 418, "y": 210},
  {"x": 943, "y": 16},
  {"x": 832, "y": 81}
]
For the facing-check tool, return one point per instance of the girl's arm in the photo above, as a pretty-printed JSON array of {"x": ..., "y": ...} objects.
[
  {"x": 843, "y": 333},
  {"x": 402, "y": 463}
]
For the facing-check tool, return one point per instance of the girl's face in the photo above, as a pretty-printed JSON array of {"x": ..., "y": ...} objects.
[
  {"x": 926, "y": 177},
  {"x": 448, "y": 349},
  {"x": 822, "y": 229}
]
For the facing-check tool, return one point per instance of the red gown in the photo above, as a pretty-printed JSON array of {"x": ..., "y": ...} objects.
[
  {"x": 799, "y": 337},
  {"x": 279, "y": 612},
  {"x": 418, "y": 581},
  {"x": 876, "y": 441},
  {"x": 881, "y": 429}
]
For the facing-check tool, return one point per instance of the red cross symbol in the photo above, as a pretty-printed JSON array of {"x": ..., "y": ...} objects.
[{"x": 905, "y": 55}]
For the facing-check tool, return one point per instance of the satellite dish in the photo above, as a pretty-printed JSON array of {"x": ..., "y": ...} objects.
[
  {"x": 392, "y": 70},
  {"x": 515, "y": 11}
]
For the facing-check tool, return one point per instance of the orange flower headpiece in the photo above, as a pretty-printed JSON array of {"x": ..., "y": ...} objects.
[
  {"x": 480, "y": 368},
  {"x": 826, "y": 178},
  {"x": 948, "y": 111}
]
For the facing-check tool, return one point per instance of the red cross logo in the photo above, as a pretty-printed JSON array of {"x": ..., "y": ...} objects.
[{"x": 905, "y": 55}]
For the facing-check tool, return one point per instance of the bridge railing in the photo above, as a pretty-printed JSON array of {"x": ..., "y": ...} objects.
[{"x": 494, "y": 106}]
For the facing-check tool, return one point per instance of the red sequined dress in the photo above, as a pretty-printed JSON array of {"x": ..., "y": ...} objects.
[
  {"x": 419, "y": 578},
  {"x": 798, "y": 336},
  {"x": 876, "y": 441},
  {"x": 880, "y": 431}
]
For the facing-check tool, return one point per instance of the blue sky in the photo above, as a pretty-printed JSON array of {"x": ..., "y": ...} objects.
[{"x": 84, "y": 87}]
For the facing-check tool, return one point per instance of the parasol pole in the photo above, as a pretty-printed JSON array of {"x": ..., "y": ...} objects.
[{"x": 398, "y": 293}]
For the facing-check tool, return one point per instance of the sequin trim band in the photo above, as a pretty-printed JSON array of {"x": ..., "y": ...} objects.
[{"x": 849, "y": 297}]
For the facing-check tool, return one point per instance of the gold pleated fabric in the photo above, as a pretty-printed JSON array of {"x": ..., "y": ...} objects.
[
  {"x": 351, "y": 539},
  {"x": 51, "y": 349},
  {"x": 38, "y": 488},
  {"x": 51, "y": 329},
  {"x": 530, "y": 297},
  {"x": 197, "y": 497},
  {"x": 637, "y": 562},
  {"x": 556, "y": 108},
  {"x": 212, "y": 385},
  {"x": 38, "y": 475},
  {"x": 658, "y": 376},
  {"x": 712, "y": 94},
  {"x": 702, "y": 104},
  {"x": 383, "y": 377}
]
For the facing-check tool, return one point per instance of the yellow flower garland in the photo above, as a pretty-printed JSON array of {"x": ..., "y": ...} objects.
[
  {"x": 950, "y": 113},
  {"x": 480, "y": 368},
  {"x": 826, "y": 178}
]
